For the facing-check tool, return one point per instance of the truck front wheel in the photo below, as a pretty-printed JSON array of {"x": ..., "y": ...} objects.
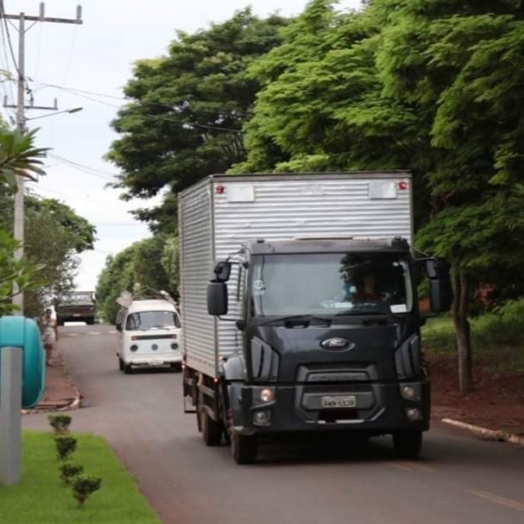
[
  {"x": 211, "y": 429},
  {"x": 407, "y": 444},
  {"x": 244, "y": 448}
]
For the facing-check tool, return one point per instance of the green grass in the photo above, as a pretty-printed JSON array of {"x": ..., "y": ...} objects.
[
  {"x": 41, "y": 497},
  {"x": 497, "y": 336}
]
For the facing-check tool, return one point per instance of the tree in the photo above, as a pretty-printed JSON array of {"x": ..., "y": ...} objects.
[
  {"x": 455, "y": 63},
  {"x": 117, "y": 276},
  {"x": 186, "y": 110},
  {"x": 433, "y": 87},
  {"x": 54, "y": 236},
  {"x": 18, "y": 157}
]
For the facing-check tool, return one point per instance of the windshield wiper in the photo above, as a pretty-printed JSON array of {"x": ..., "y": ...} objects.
[{"x": 291, "y": 318}]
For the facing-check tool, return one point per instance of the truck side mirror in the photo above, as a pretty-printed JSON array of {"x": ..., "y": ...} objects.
[
  {"x": 441, "y": 294},
  {"x": 222, "y": 271},
  {"x": 118, "y": 327},
  {"x": 217, "y": 299}
]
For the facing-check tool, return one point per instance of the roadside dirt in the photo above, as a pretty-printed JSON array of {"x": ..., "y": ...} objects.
[{"x": 496, "y": 403}]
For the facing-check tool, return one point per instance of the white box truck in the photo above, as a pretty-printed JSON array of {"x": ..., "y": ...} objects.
[{"x": 299, "y": 302}]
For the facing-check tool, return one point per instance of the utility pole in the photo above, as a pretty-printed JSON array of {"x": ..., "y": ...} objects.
[{"x": 19, "y": 211}]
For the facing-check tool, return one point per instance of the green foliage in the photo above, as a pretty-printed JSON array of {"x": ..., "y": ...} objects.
[
  {"x": 41, "y": 498},
  {"x": 186, "y": 110},
  {"x": 54, "y": 236},
  {"x": 60, "y": 423},
  {"x": 148, "y": 266},
  {"x": 24, "y": 273},
  {"x": 84, "y": 487},
  {"x": 116, "y": 277},
  {"x": 19, "y": 156},
  {"x": 69, "y": 471},
  {"x": 65, "y": 446}
]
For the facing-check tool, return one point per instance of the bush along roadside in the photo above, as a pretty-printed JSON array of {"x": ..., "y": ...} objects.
[{"x": 71, "y": 474}]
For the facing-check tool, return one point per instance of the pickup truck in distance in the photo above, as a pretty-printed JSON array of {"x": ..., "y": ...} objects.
[{"x": 77, "y": 306}]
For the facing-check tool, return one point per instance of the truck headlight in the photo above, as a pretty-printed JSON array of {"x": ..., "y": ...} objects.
[
  {"x": 262, "y": 418},
  {"x": 267, "y": 394},
  {"x": 134, "y": 347},
  {"x": 413, "y": 414},
  {"x": 408, "y": 392}
]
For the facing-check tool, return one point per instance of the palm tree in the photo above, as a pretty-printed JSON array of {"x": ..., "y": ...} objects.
[{"x": 19, "y": 156}]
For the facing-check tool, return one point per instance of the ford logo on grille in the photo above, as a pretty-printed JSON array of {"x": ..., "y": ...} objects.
[{"x": 337, "y": 343}]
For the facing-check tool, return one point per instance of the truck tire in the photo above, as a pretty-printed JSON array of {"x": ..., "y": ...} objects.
[
  {"x": 244, "y": 448},
  {"x": 407, "y": 444},
  {"x": 120, "y": 364},
  {"x": 128, "y": 369},
  {"x": 211, "y": 429}
]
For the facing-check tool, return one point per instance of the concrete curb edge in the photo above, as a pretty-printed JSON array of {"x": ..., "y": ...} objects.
[
  {"x": 76, "y": 403},
  {"x": 498, "y": 435}
]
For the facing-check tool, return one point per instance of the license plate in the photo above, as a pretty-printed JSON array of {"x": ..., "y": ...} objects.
[{"x": 347, "y": 401}]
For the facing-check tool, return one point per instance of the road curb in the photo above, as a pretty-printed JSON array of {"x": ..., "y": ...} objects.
[
  {"x": 74, "y": 404},
  {"x": 498, "y": 435}
]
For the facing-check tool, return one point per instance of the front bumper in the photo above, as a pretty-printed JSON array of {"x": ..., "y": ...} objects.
[
  {"x": 153, "y": 362},
  {"x": 379, "y": 409}
]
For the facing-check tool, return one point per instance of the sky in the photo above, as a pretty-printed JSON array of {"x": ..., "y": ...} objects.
[{"x": 90, "y": 60}]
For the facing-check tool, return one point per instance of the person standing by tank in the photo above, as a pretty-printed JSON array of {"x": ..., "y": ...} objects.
[{"x": 49, "y": 333}]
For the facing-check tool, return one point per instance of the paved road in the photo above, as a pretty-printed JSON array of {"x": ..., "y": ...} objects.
[{"x": 459, "y": 480}]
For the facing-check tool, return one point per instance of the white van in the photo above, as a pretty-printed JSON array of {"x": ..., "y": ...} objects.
[{"x": 150, "y": 334}]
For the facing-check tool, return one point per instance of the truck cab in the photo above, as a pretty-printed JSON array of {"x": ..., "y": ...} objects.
[
  {"x": 77, "y": 306},
  {"x": 329, "y": 333}
]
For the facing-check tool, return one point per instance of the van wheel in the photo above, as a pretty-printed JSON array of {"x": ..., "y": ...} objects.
[
  {"x": 211, "y": 430},
  {"x": 407, "y": 444},
  {"x": 175, "y": 368},
  {"x": 244, "y": 448},
  {"x": 120, "y": 364},
  {"x": 128, "y": 369}
]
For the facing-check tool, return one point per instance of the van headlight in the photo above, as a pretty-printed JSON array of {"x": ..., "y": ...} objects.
[{"x": 134, "y": 347}]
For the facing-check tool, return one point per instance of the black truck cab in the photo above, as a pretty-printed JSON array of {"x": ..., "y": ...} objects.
[{"x": 330, "y": 335}]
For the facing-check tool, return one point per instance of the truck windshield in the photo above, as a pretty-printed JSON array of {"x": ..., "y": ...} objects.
[
  {"x": 152, "y": 320},
  {"x": 331, "y": 284},
  {"x": 78, "y": 298}
]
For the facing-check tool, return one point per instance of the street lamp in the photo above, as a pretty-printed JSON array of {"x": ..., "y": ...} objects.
[{"x": 70, "y": 111}]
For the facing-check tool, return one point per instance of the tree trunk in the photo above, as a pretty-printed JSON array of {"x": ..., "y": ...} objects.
[{"x": 461, "y": 286}]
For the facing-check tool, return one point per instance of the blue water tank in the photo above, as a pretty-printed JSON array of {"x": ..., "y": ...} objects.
[{"x": 21, "y": 332}]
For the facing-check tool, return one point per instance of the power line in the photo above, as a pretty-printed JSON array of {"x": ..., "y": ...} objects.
[
  {"x": 85, "y": 94},
  {"x": 85, "y": 169},
  {"x": 10, "y": 43}
]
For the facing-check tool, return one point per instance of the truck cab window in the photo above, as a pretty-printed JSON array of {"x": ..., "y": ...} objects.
[{"x": 331, "y": 283}]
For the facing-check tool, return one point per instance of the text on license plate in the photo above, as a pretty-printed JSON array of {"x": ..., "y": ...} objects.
[{"x": 346, "y": 401}]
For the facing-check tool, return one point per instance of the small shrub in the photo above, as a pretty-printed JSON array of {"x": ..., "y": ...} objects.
[
  {"x": 69, "y": 471},
  {"x": 60, "y": 423},
  {"x": 65, "y": 446},
  {"x": 84, "y": 487}
]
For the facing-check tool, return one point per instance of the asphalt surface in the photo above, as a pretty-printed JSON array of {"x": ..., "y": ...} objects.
[{"x": 459, "y": 479}]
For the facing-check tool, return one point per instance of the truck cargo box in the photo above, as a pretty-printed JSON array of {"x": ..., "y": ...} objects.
[{"x": 219, "y": 214}]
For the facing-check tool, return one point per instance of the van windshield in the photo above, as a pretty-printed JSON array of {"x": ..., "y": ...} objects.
[{"x": 152, "y": 320}]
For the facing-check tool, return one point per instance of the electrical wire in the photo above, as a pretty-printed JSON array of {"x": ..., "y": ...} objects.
[
  {"x": 86, "y": 169},
  {"x": 10, "y": 43},
  {"x": 81, "y": 94}
]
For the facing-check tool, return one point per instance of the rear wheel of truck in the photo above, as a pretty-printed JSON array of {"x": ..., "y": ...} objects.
[
  {"x": 244, "y": 448},
  {"x": 211, "y": 429},
  {"x": 120, "y": 364},
  {"x": 407, "y": 444}
]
